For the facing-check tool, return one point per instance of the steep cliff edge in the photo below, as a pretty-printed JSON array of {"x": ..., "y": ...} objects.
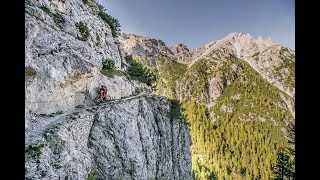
[{"x": 134, "y": 138}]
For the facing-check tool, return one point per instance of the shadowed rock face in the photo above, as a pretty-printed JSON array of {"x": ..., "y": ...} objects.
[
  {"x": 129, "y": 139},
  {"x": 140, "y": 141}
]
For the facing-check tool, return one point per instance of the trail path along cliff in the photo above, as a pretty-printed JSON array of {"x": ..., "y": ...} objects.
[{"x": 41, "y": 123}]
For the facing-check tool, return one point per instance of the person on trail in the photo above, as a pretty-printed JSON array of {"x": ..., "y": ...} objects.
[{"x": 103, "y": 92}]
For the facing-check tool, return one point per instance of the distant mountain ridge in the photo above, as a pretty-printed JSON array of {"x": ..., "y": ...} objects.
[
  {"x": 240, "y": 44},
  {"x": 261, "y": 53}
]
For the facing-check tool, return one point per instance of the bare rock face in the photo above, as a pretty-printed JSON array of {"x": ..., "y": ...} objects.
[
  {"x": 143, "y": 46},
  {"x": 276, "y": 64},
  {"x": 57, "y": 147},
  {"x": 238, "y": 44},
  {"x": 142, "y": 143},
  {"x": 181, "y": 53},
  {"x": 52, "y": 34},
  {"x": 67, "y": 68},
  {"x": 133, "y": 138}
]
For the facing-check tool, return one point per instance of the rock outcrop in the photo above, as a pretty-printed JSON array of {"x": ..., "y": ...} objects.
[
  {"x": 133, "y": 138},
  {"x": 182, "y": 53},
  {"x": 149, "y": 47},
  {"x": 143, "y": 46}
]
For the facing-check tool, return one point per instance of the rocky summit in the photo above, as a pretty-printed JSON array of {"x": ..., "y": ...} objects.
[{"x": 224, "y": 110}]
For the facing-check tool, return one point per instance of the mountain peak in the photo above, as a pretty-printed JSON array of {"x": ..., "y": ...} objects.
[
  {"x": 238, "y": 43},
  {"x": 237, "y": 34},
  {"x": 180, "y": 45},
  {"x": 247, "y": 36},
  {"x": 181, "y": 53},
  {"x": 141, "y": 45}
]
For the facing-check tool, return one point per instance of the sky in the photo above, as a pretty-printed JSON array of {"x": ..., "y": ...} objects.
[{"x": 197, "y": 22}]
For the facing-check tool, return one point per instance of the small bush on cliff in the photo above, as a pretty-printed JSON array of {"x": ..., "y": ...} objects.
[
  {"x": 108, "y": 64},
  {"x": 35, "y": 150},
  {"x": 108, "y": 68},
  {"x": 138, "y": 72},
  {"x": 45, "y": 9},
  {"x": 29, "y": 72},
  {"x": 83, "y": 29},
  {"x": 110, "y": 20},
  {"x": 92, "y": 175},
  {"x": 57, "y": 17},
  {"x": 85, "y": 1}
]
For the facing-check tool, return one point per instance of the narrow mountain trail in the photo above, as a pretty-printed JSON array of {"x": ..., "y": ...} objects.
[
  {"x": 127, "y": 98},
  {"x": 40, "y": 124}
]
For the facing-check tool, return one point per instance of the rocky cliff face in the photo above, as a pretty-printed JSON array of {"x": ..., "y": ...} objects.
[
  {"x": 182, "y": 53},
  {"x": 133, "y": 138},
  {"x": 144, "y": 143},
  {"x": 144, "y": 46},
  {"x": 69, "y": 135},
  {"x": 66, "y": 68}
]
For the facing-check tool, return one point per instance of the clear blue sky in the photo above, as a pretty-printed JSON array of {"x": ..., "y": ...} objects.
[{"x": 197, "y": 22}]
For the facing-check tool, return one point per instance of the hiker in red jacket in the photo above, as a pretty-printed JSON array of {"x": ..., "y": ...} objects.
[{"x": 103, "y": 92}]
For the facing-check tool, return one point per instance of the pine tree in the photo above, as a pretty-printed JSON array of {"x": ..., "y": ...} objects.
[{"x": 283, "y": 168}]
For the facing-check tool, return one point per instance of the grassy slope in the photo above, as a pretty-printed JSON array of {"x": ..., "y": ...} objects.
[
  {"x": 242, "y": 143},
  {"x": 169, "y": 71}
]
